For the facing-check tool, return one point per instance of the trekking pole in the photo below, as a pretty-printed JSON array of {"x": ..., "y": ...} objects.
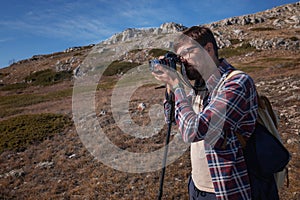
[{"x": 170, "y": 101}]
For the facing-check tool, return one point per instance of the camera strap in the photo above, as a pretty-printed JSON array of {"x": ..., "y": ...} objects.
[
  {"x": 184, "y": 77},
  {"x": 197, "y": 87}
]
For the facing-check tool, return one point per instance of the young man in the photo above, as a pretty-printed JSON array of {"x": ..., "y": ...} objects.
[{"x": 211, "y": 117}]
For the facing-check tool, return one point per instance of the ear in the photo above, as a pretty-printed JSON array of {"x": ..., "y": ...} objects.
[{"x": 209, "y": 48}]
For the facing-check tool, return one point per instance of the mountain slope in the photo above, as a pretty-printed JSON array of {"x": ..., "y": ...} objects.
[{"x": 58, "y": 165}]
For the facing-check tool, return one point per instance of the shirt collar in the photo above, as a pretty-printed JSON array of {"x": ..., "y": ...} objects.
[{"x": 223, "y": 68}]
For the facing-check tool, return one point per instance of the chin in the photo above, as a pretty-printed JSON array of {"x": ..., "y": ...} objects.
[
  {"x": 193, "y": 75},
  {"x": 192, "y": 78}
]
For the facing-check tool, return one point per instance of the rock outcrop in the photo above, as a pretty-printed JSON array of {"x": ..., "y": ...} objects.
[
  {"x": 131, "y": 33},
  {"x": 282, "y": 17}
]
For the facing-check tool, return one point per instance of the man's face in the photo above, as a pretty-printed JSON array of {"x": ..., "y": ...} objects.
[{"x": 188, "y": 54}]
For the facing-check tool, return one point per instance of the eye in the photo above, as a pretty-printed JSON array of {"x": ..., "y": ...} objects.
[{"x": 184, "y": 52}]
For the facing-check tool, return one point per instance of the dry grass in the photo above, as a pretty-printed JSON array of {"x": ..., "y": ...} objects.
[{"x": 60, "y": 167}]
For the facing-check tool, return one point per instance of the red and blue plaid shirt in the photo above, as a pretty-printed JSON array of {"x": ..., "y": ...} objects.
[{"x": 230, "y": 108}]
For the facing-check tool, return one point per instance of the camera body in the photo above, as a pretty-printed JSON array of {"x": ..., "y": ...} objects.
[{"x": 170, "y": 60}]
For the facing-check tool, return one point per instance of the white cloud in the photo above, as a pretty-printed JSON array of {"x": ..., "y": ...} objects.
[
  {"x": 5, "y": 40},
  {"x": 58, "y": 26},
  {"x": 82, "y": 20}
]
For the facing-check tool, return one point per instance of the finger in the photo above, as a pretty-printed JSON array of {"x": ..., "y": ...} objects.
[
  {"x": 159, "y": 67},
  {"x": 156, "y": 75},
  {"x": 158, "y": 78}
]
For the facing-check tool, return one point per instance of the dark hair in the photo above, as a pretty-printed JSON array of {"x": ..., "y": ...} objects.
[{"x": 202, "y": 35}]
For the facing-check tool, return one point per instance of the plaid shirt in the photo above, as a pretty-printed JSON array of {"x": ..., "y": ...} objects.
[{"x": 230, "y": 108}]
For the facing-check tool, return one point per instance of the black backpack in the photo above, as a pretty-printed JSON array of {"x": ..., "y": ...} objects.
[{"x": 264, "y": 152}]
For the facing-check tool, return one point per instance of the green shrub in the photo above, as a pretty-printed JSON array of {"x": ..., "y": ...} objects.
[
  {"x": 14, "y": 86},
  {"x": 22, "y": 100},
  {"x": 294, "y": 38},
  {"x": 19, "y": 132},
  {"x": 48, "y": 77},
  {"x": 235, "y": 41},
  {"x": 231, "y": 51},
  {"x": 43, "y": 78},
  {"x": 157, "y": 52},
  {"x": 3, "y": 74},
  {"x": 5, "y": 112},
  {"x": 118, "y": 67},
  {"x": 106, "y": 85},
  {"x": 135, "y": 50}
]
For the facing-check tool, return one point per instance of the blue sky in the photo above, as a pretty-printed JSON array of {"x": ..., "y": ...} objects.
[{"x": 32, "y": 27}]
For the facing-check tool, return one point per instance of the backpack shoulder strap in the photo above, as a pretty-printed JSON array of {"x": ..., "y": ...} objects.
[
  {"x": 233, "y": 73},
  {"x": 264, "y": 103},
  {"x": 239, "y": 136}
]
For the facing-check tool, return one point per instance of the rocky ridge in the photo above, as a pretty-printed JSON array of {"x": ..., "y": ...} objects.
[
  {"x": 278, "y": 18},
  {"x": 132, "y": 33}
]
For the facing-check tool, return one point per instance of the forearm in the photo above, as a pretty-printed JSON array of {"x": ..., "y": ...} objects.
[
  {"x": 186, "y": 118},
  {"x": 228, "y": 110}
]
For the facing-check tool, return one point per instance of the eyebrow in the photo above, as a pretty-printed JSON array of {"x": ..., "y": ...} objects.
[
  {"x": 189, "y": 48},
  {"x": 193, "y": 47}
]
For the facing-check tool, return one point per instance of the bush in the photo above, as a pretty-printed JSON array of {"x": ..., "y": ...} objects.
[
  {"x": 235, "y": 41},
  {"x": 5, "y": 112},
  {"x": 294, "y": 38},
  {"x": 135, "y": 50},
  {"x": 48, "y": 77},
  {"x": 117, "y": 67},
  {"x": 14, "y": 86},
  {"x": 19, "y": 132},
  {"x": 157, "y": 52},
  {"x": 3, "y": 74},
  {"x": 107, "y": 82},
  {"x": 231, "y": 51},
  {"x": 43, "y": 78},
  {"x": 13, "y": 101},
  {"x": 22, "y": 100}
]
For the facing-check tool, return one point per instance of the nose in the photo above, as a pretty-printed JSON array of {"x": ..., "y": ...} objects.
[{"x": 182, "y": 59}]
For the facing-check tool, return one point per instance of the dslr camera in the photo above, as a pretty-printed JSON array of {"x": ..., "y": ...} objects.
[{"x": 170, "y": 60}]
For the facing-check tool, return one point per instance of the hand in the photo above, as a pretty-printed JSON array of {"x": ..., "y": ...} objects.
[{"x": 166, "y": 75}]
